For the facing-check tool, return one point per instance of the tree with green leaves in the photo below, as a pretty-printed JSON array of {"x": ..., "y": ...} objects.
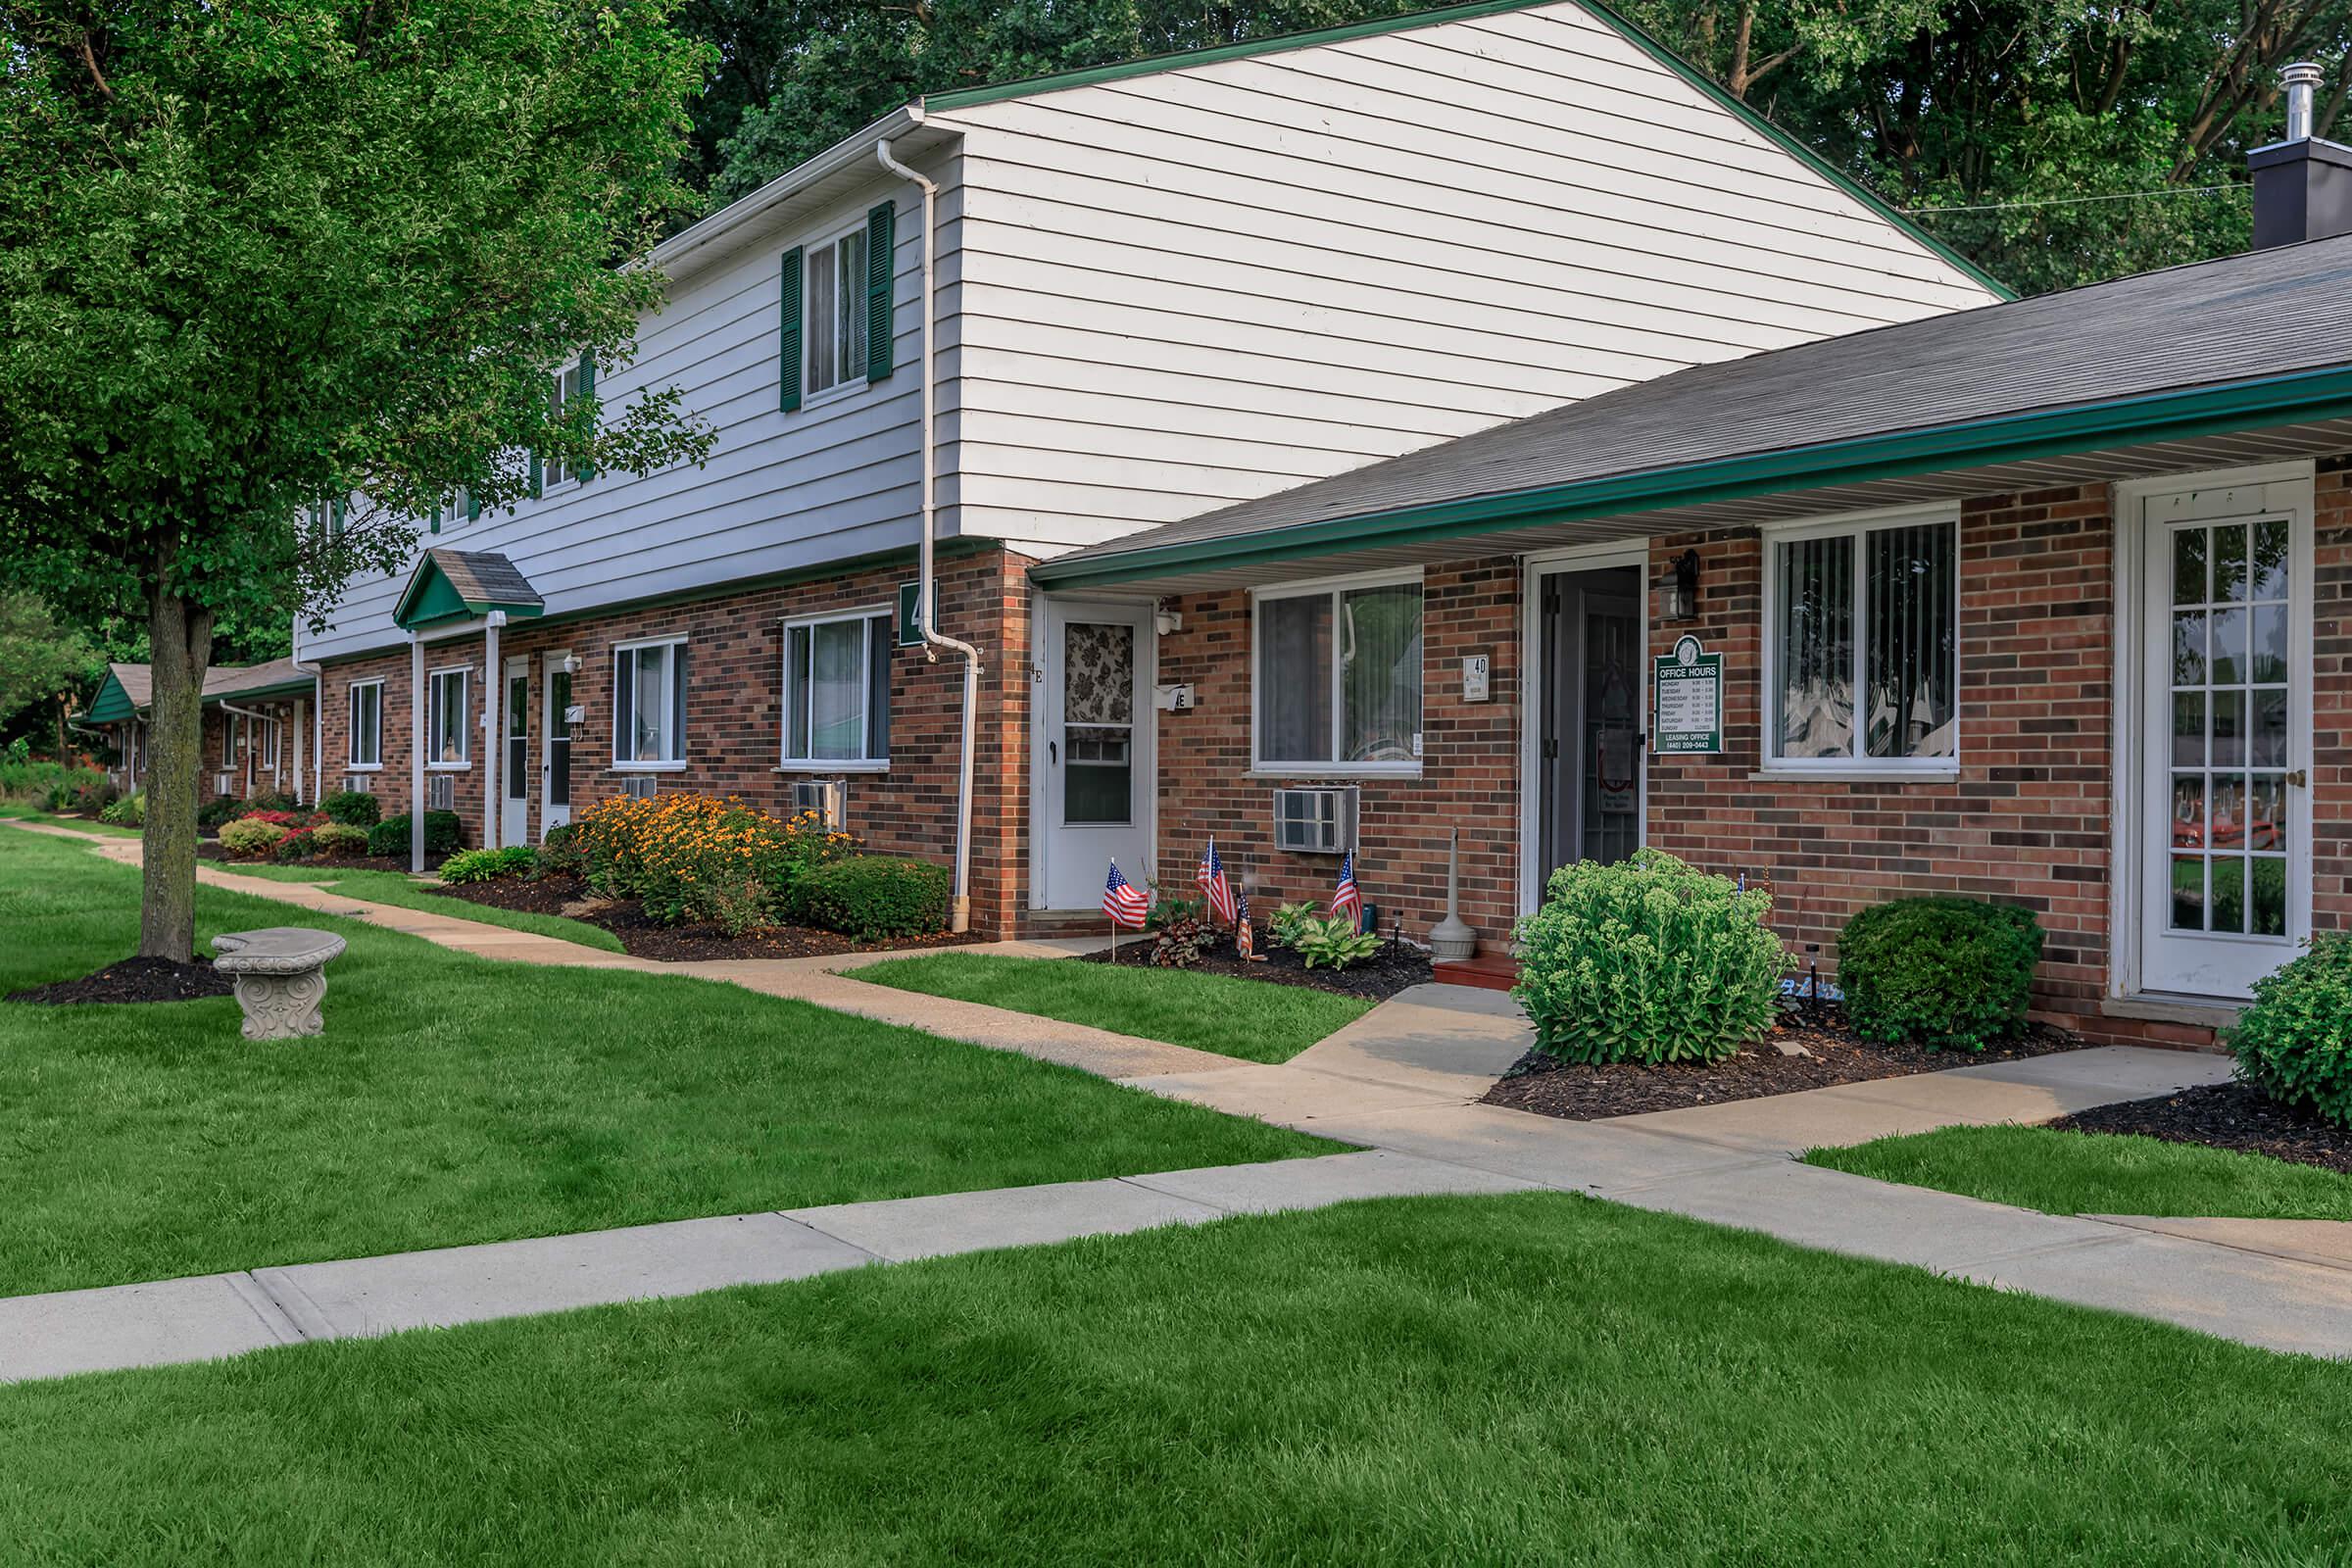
[
  {"x": 255, "y": 257},
  {"x": 43, "y": 663}
]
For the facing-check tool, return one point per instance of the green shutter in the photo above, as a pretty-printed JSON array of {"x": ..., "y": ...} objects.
[
  {"x": 436, "y": 520},
  {"x": 336, "y": 520},
  {"x": 534, "y": 476},
  {"x": 881, "y": 284},
  {"x": 473, "y": 506},
  {"x": 787, "y": 334},
  {"x": 587, "y": 389}
]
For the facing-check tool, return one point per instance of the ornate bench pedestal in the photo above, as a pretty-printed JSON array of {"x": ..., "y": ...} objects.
[{"x": 280, "y": 978}]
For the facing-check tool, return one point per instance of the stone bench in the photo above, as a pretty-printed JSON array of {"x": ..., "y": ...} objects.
[{"x": 280, "y": 976}]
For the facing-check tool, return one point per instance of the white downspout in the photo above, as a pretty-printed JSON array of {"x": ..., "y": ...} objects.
[
  {"x": 317, "y": 675},
  {"x": 925, "y": 594},
  {"x": 416, "y": 755}
]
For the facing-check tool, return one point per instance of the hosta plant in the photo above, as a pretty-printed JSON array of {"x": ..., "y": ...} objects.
[{"x": 1649, "y": 961}]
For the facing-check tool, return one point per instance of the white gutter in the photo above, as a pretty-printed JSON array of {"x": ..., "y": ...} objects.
[
  {"x": 679, "y": 254},
  {"x": 926, "y": 607},
  {"x": 317, "y": 675}
]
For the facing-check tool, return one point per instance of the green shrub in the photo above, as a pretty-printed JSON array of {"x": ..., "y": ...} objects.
[
  {"x": 128, "y": 812},
  {"x": 875, "y": 897},
  {"x": 489, "y": 865},
  {"x": 559, "y": 853},
  {"x": 1647, "y": 960},
  {"x": 2294, "y": 1044},
  {"x": 23, "y": 779},
  {"x": 272, "y": 800},
  {"x": 219, "y": 809},
  {"x": 1941, "y": 973},
  {"x": 339, "y": 838},
  {"x": 353, "y": 808},
  {"x": 443, "y": 834},
  {"x": 251, "y": 838},
  {"x": 1335, "y": 942}
]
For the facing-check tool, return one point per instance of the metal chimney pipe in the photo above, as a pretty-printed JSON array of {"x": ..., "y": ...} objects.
[{"x": 2302, "y": 80}]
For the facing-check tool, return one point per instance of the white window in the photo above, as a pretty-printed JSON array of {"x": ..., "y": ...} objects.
[
  {"x": 837, "y": 692},
  {"x": 1862, "y": 645},
  {"x": 565, "y": 389},
  {"x": 835, "y": 317},
  {"x": 1339, "y": 677},
  {"x": 232, "y": 740},
  {"x": 448, "y": 736},
  {"x": 368, "y": 723},
  {"x": 649, "y": 705}
]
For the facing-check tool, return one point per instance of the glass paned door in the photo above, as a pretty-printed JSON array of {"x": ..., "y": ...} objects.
[
  {"x": 1094, "y": 749},
  {"x": 2227, "y": 744},
  {"x": 514, "y": 806},
  {"x": 557, "y": 724},
  {"x": 1098, "y": 724}
]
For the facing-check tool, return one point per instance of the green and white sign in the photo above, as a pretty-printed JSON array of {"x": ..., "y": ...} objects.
[
  {"x": 1688, "y": 700},
  {"x": 910, "y": 626}
]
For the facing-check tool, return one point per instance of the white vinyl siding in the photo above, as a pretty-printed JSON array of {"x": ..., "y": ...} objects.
[
  {"x": 1337, "y": 687},
  {"x": 367, "y": 724},
  {"x": 449, "y": 737},
  {"x": 837, "y": 692},
  {"x": 649, "y": 706}
]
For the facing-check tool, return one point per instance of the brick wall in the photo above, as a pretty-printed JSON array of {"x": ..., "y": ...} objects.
[
  {"x": 252, "y": 776},
  {"x": 1469, "y": 778},
  {"x": 2331, "y": 698},
  {"x": 735, "y": 713}
]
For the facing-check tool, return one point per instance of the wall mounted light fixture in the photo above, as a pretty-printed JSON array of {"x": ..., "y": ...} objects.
[{"x": 1683, "y": 593}]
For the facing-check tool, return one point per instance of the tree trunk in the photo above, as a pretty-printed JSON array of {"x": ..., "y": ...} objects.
[{"x": 182, "y": 638}]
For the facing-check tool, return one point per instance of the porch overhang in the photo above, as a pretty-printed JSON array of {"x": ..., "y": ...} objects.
[
  {"x": 2213, "y": 427},
  {"x": 112, "y": 706},
  {"x": 454, "y": 585}
]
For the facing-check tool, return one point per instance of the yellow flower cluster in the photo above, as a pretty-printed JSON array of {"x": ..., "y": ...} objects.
[{"x": 703, "y": 857}]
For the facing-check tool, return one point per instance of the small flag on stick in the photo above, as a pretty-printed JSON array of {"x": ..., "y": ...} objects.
[
  {"x": 1213, "y": 884},
  {"x": 1345, "y": 898},
  {"x": 1244, "y": 937},
  {"x": 1122, "y": 902}
]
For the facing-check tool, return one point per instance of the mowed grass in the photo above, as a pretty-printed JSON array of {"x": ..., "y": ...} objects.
[
  {"x": 2097, "y": 1173},
  {"x": 1535, "y": 1378},
  {"x": 1254, "y": 1020},
  {"x": 21, "y": 812},
  {"x": 398, "y": 888},
  {"x": 460, "y": 1100}
]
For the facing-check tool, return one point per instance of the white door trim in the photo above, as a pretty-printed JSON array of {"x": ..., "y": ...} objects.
[
  {"x": 1042, "y": 610},
  {"x": 2126, "y": 883},
  {"x": 551, "y": 662},
  {"x": 520, "y": 804},
  {"x": 1533, "y": 570}
]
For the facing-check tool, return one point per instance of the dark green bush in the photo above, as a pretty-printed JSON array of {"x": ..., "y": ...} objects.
[
  {"x": 489, "y": 865},
  {"x": 2294, "y": 1044},
  {"x": 559, "y": 853},
  {"x": 443, "y": 834},
  {"x": 353, "y": 809},
  {"x": 1942, "y": 972},
  {"x": 875, "y": 897},
  {"x": 272, "y": 800},
  {"x": 1647, "y": 960},
  {"x": 219, "y": 809}
]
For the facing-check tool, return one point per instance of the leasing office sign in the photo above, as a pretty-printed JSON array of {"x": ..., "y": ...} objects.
[{"x": 1687, "y": 700}]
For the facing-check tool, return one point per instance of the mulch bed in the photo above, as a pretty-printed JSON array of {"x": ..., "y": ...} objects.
[
  {"x": 644, "y": 937},
  {"x": 133, "y": 980},
  {"x": 1393, "y": 968},
  {"x": 2233, "y": 1116},
  {"x": 1833, "y": 1055}
]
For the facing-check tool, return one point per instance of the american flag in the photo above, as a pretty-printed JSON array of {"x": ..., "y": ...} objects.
[
  {"x": 1212, "y": 882},
  {"x": 1121, "y": 902},
  {"x": 1245, "y": 940},
  {"x": 1345, "y": 898}
]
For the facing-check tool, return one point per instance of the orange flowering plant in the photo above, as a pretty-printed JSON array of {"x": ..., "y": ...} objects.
[{"x": 703, "y": 859}]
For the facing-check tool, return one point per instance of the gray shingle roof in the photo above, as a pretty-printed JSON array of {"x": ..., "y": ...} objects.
[
  {"x": 2268, "y": 313},
  {"x": 485, "y": 577}
]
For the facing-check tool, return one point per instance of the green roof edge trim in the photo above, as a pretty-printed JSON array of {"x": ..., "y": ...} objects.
[
  {"x": 283, "y": 688},
  {"x": 2003, "y": 438},
  {"x": 1632, "y": 31},
  {"x": 1181, "y": 59}
]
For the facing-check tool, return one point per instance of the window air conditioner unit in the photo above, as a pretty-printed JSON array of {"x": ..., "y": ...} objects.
[
  {"x": 359, "y": 783},
  {"x": 224, "y": 783},
  {"x": 824, "y": 796},
  {"x": 640, "y": 786},
  {"x": 1316, "y": 822},
  {"x": 440, "y": 793}
]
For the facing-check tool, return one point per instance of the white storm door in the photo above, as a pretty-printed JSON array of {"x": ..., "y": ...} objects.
[
  {"x": 514, "y": 768},
  {"x": 1095, "y": 747},
  {"x": 2224, "y": 811},
  {"x": 555, "y": 768}
]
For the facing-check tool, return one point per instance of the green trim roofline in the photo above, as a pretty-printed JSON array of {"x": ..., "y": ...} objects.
[
  {"x": 2177, "y": 416},
  {"x": 1633, "y": 32}
]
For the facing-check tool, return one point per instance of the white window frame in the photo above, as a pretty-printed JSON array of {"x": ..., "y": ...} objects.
[
  {"x": 788, "y": 763},
  {"x": 1855, "y": 764},
  {"x": 675, "y": 726},
  {"x": 854, "y": 378},
  {"x": 1262, "y": 765},
  {"x": 432, "y": 684},
  {"x": 232, "y": 740},
  {"x": 351, "y": 737},
  {"x": 551, "y": 468}
]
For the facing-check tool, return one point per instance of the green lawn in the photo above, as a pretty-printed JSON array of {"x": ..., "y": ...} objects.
[
  {"x": 460, "y": 1100},
  {"x": 1247, "y": 1019},
  {"x": 24, "y": 813},
  {"x": 397, "y": 888},
  {"x": 2097, "y": 1173},
  {"x": 1537, "y": 1378}
]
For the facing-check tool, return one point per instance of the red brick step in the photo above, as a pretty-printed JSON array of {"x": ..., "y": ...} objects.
[{"x": 1489, "y": 971}]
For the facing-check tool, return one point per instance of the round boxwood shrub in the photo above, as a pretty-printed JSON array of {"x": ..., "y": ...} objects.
[
  {"x": 875, "y": 897},
  {"x": 1647, "y": 960},
  {"x": 250, "y": 838},
  {"x": 1942, "y": 972},
  {"x": 353, "y": 809},
  {"x": 2294, "y": 1044},
  {"x": 442, "y": 834}
]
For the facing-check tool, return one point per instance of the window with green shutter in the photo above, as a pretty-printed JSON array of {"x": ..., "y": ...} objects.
[{"x": 881, "y": 284}]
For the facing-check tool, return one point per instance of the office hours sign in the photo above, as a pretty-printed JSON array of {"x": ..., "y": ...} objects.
[{"x": 1687, "y": 701}]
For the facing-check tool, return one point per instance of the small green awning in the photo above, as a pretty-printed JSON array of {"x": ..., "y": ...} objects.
[
  {"x": 463, "y": 584},
  {"x": 113, "y": 704}
]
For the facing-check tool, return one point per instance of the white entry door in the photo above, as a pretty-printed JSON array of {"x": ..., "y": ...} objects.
[
  {"x": 2224, "y": 805},
  {"x": 555, "y": 768},
  {"x": 1095, "y": 773},
  {"x": 515, "y": 804}
]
